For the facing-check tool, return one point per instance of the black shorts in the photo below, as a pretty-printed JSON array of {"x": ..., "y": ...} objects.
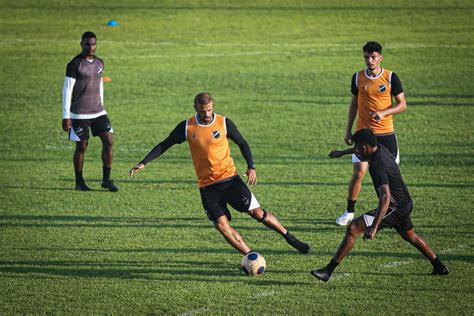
[
  {"x": 389, "y": 141},
  {"x": 394, "y": 218},
  {"x": 234, "y": 191},
  {"x": 80, "y": 128}
]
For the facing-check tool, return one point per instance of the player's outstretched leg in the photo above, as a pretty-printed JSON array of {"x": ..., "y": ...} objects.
[
  {"x": 420, "y": 243},
  {"x": 356, "y": 228},
  {"x": 231, "y": 235},
  {"x": 270, "y": 220}
]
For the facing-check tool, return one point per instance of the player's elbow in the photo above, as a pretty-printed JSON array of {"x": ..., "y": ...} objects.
[
  {"x": 386, "y": 198},
  {"x": 402, "y": 106}
]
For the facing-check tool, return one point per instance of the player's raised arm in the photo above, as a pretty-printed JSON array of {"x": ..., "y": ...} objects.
[
  {"x": 234, "y": 134},
  {"x": 339, "y": 153},
  {"x": 177, "y": 136}
]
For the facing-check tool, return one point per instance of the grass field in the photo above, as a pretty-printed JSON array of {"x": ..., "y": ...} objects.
[{"x": 281, "y": 71}]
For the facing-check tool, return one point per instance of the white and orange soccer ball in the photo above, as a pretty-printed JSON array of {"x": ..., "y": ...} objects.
[{"x": 254, "y": 264}]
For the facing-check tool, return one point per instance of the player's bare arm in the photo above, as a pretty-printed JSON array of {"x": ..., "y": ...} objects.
[
  {"x": 399, "y": 107},
  {"x": 384, "y": 202},
  {"x": 350, "y": 120}
]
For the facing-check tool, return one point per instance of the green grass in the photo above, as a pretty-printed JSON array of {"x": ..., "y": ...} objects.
[{"x": 281, "y": 70}]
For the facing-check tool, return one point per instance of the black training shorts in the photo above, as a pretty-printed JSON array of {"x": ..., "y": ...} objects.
[
  {"x": 394, "y": 218},
  {"x": 80, "y": 128},
  {"x": 233, "y": 191}
]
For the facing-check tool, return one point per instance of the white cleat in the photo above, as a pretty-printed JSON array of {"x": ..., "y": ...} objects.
[{"x": 345, "y": 219}]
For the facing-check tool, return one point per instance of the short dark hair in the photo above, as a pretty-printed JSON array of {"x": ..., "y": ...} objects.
[
  {"x": 371, "y": 47},
  {"x": 365, "y": 136},
  {"x": 88, "y": 34},
  {"x": 203, "y": 98}
]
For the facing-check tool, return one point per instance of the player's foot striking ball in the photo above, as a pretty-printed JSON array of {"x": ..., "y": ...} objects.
[{"x": 208, "y": 134}]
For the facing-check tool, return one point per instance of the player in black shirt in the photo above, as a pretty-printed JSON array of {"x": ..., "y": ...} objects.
[{"x": 394, "y": 207}]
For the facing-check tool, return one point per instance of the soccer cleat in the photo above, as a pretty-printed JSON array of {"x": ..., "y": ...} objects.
[
  {"x": 299, "y": 245},
  {"x": 82, "y": 187},
  {"x": 321, "y": 274},
  {"x": 443, "y": 271},
  {"x": 109, "y": 184},
  {"x": 345, "y": 219}
]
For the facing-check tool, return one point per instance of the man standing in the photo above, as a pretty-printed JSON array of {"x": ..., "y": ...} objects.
[
  {"x": 372, "y": 90},
  {"x": 83, "y": 108},
  {"x": 394, "y": 206},
  {"x": 207, "y": 134}
]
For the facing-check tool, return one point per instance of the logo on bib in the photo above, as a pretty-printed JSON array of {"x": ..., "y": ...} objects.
[
  {"x": 216, "y": 134},
  {"x": 382, "y": 88}
]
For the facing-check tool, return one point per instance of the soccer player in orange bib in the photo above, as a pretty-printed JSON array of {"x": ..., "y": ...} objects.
[
  {"x": 207, "y": 134},
  {"x": 372, "y": 92}
]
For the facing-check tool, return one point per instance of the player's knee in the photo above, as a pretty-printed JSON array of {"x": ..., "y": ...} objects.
[
  {"x": 81, "y": 147},
  {"x": 358, "y": 175},
  {"x": 108, "y": 140},
  {"x": 409, "y": 237},
  {"x": 260, "y": 214},
  {"x": 352, "y": 229}
]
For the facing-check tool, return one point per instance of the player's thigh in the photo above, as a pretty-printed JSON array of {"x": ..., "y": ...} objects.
[
  {"x": 101, "y": 125},
  {"x": 214, "y": 205},
  {"x": 79, "y": 131},
  {"x": 394, "y": 218},
  {"x": 239, "y": 196}
]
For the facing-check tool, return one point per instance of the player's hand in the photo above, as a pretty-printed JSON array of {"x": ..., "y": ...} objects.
[
  {"x": 377, "y": 116},
  {"x": 370, "y": 233},
  {"x": 348, "y": 138},
  {"x": 66, "y": 125},
  {"x": 135, "y": 169},
  {"x": 251, "y": 175},
  {"x": 335, "y": 154}
]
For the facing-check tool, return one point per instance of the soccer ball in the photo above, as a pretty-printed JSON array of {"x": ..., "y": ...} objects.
[{"x": 254, "y": 263}]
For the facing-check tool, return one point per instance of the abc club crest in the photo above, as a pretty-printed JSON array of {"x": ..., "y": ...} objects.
[{"x": 216, "y": 134}]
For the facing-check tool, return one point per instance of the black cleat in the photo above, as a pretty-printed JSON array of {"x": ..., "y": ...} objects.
[
  {"x": 321, "y": 274},
  {"x": 82, "y": 187},
  {"x": 109, "y": 185},
  {"x": 295, "y": 243},
  {"x": 443, "y": 271}
]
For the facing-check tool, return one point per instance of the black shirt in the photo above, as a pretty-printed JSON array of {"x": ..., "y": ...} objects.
[
  {"x": 384, "y": 170},
  {"x": 178, "y": 135}
]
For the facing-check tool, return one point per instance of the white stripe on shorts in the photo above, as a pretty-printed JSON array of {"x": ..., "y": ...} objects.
[
  {"x": 369, "y": 219},
  {"x": 73, "y": 136},
  {"x": 253, "y": 203}
]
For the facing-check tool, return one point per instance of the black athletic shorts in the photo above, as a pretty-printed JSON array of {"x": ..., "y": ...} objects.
[
  {"x": 234, "y": 192},
  {"x": 80, "y": 128},
  {"x": 390, "y": 142},
  {"x": 394, "y": 218}
]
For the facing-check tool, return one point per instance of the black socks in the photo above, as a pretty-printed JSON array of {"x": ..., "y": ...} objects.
[
  {"x": 295, "y": 243},
  {"x": 79, "y": 178},
  {"x": 331, "y": 266},
  {"x": 351, "y": 205},
  {"x": 106, "y": 173}
]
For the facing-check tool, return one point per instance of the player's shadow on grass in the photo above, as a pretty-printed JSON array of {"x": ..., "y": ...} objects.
[
  {"x": 43, "y": 221},
  {"x": 36, "y": 188},
  {"x": 184, "y": 271}
]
